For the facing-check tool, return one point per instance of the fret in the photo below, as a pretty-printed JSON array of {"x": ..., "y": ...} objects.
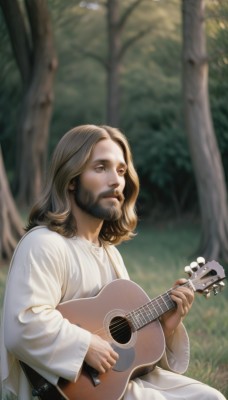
[
  {"x": 150, "y": 311},
  {"x": 140, "y": 317},
  {"x": 144, "y": 315},
  {"x": 161, "y": 311},
  {"x": 168, "y": 301},
  {"x": 152, "y": 316},
  {"x": 135, "y": 322}
]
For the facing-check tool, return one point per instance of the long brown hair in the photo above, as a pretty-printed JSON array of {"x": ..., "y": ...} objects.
[{"x": 68, "y": 162}]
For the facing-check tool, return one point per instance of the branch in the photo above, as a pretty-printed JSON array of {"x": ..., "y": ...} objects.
[
  {"x": 92, "y": 55},
  {"x": 128, "y": 12},
  {"x": 19, "y": 37},
  {"x": 133, "y": 39}
]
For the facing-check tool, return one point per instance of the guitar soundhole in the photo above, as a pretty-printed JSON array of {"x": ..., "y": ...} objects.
[{"x": 120, "y": 330}]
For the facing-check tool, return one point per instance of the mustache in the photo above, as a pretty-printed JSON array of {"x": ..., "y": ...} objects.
[{"x": 113, "y": 193}]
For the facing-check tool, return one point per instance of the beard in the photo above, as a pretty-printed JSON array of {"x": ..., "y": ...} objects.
[{"x": 90, "y": 204}]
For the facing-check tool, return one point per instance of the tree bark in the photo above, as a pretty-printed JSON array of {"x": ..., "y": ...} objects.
[
  {"x": 11, "y": 227},
  {"x": 113, "y": 70},
  {"x": 37, "y": 48},
  {"x": 203, "y": 146}
]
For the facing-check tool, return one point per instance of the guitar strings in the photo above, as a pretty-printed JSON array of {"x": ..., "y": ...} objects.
[{"x": 140, "y": 312}]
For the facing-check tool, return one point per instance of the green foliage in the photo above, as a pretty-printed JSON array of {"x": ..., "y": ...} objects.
[
  {"x": 164, "y": 167},
  {"x": 151, "y": 107}
]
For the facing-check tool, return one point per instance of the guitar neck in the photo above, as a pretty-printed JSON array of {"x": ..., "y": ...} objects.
[{"x": 152, "y": 310}]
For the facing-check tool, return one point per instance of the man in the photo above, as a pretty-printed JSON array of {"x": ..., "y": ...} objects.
[{"x": 68, "y": 252}]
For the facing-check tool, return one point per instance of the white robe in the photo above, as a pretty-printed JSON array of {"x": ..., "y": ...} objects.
[{"x": 48, "y": 269}]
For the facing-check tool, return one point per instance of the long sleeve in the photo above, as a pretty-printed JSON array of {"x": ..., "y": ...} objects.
[
  {"x": 176, "y": 356},
  {"x": 34, "y": 331}
]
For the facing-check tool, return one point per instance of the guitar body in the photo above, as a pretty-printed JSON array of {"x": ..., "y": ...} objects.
[{"x": 138, "y": 350}]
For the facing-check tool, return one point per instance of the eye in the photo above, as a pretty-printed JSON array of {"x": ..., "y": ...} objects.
[
  {"x": 100, "y": 168},
  {"x": 122, "y": 171}
]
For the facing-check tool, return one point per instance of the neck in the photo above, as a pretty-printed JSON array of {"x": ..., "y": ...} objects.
[{"x": 88, "y": 227}]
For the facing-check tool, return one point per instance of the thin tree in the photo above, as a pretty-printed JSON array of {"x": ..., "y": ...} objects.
[
  {"x": 11, "y": 226},
  {"x": 30, "y": 32},
  {"x": 116, "y": 21},
  {"x": 117, "y": 48},
  {"x": 203, "y": 146}
]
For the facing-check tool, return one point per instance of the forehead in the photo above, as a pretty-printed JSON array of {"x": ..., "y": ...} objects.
[{"x": 108, "y": 150}]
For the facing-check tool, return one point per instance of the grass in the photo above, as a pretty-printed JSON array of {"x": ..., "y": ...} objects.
[{"x": 155, "y": 258}]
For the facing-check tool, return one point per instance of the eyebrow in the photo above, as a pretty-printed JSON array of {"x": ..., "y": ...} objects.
[{"x": 107, "y": 161}]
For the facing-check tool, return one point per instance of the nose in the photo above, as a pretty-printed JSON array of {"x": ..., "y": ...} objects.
[{"x": 114, "y": 179}]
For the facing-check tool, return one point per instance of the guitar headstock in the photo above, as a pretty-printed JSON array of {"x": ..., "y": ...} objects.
[{"x": 206, "y": 277}]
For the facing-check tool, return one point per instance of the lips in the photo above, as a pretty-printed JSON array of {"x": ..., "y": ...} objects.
[{"x": 113, "y": 195}]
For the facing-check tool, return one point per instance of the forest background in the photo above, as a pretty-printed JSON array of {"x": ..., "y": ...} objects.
[
  {"x": 151, "y": 107},
  {"x": 150, "y": 110}
]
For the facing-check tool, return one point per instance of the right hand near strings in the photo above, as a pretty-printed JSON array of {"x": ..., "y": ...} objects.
[{"x": 100, "y": 354}]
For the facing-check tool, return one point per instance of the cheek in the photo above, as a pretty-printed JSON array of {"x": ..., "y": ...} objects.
[
  {"x": 92, "y": 182},
  {"x": 123, "y": 184}
]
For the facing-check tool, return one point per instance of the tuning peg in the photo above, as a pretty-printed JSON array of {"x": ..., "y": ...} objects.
[
  {"x": 206, "y": 293},
  {"x": 200, "y": 261},
  {"x": 188, "y": 270},
  {"x": 221, "y": 285},
  {"x": 194, "y": 266},
  {"x": 215, "y": 289}
]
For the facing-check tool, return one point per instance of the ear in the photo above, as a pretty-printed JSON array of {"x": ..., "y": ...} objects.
[{"x": 72, "y": 185}]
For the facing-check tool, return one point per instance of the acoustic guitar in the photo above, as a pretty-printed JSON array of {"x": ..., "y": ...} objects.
[{"x": 128, "y": 319}]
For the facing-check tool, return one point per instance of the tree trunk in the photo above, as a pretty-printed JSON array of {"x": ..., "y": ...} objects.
[
  {"x": 116, "y": 50},
  {"x": 37, "y": 105},
  {"x": 113, "y": 64},
  {"x": 204, "y": 151},
  {"x": 36, "y": 47},
  {"x": 10, "y": 222}
]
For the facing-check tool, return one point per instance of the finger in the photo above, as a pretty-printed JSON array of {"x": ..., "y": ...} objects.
[
  {"x": 177, "y": 299},
  {"x": 180, "y": 302},
  {"x": 183, "y": 307},
  {"x": 179, "y": 295},
  {"x": 180, "y": 281},
  {"x": 185, "y": 294},
  {"x": 183, "y": 289},
  {"x": 107, "y": 365},
  {"x": 185, "y": 311},
  {"x": 101, "y": 369},
  {"x": 112, "y": 361},
  {"x": 114, "y": 355}
]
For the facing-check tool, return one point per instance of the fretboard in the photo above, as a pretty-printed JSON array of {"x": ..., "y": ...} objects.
[{"x": 151, "y": 311}]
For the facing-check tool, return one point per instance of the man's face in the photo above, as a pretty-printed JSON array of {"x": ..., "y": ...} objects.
[{"x": 99, "y": 190}]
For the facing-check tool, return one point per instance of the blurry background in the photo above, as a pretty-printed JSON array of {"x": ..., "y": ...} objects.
[
  {"x": 157, "y": 70},
  {"x": 131, "y": 64}
]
